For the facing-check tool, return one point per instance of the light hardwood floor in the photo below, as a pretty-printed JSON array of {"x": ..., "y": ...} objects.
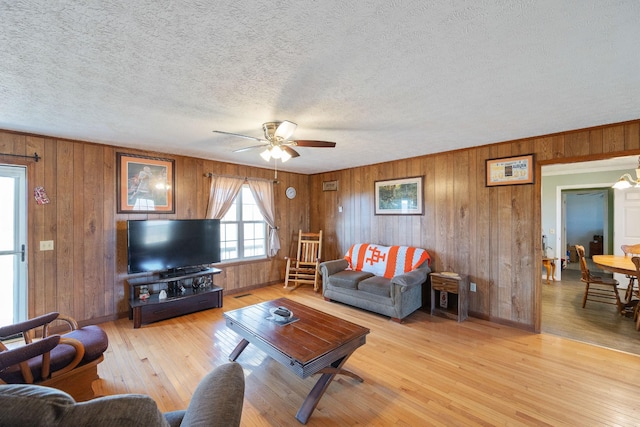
[
  {"x": 427, "y": 371},
  {"x": 599, "y": 324}
]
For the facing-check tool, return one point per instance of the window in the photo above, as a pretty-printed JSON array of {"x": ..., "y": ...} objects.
[{"x": 243, "y": 230}]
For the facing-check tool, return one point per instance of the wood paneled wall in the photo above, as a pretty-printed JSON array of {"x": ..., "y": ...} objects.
[
  {"x": 492, "y": 234},
  {"x": 85, "y": 275}
]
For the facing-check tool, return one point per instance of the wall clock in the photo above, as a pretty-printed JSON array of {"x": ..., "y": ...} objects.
[{"x": 291, "y": 192}]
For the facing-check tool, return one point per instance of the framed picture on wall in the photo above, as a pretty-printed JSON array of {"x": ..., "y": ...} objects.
[
  {"x": 145, "y": 184},
  {"x": 510, "y": 170},
  {"x": 399, "y": 196}
]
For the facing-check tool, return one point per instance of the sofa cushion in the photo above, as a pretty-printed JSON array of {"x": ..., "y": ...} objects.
[
  {"x": 385, "y": 261},
  {"x": 376, "y": 285},
  {"x": 348, "y": 279},
  {"x": 119, "y": 410},
  {"x": 94, "y": 340},
  {"x": 34, "y": 406}
]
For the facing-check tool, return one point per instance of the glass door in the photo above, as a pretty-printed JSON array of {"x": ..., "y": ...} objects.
[{"x": 13, "y": 241}]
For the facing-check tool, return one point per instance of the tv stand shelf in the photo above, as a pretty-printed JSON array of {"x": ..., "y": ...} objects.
[{"x": 177, "y": 302}]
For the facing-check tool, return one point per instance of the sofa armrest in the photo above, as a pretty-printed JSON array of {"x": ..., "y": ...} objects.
[
  {"x": 413, "y": 278},
  {"x": 332, "y": 267}
]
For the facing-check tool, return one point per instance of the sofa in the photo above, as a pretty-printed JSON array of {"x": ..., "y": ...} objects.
[
  {"x": 386, "y": 280},
  {"x": 217, "y": 401}
]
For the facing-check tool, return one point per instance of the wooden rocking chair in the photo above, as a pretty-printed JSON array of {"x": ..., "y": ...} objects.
[{"x": 305, "y": 268}]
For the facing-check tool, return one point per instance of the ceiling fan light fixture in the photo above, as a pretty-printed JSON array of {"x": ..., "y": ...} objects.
[
  {"x": 285, "y": 130},
  {"x": 266, "y": 155},
  {"x": 284, "y": 156},
  {"x": 276, "y": 152}
]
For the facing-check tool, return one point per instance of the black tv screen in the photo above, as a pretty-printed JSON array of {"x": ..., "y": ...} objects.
[{"x": 169, "y": 245}]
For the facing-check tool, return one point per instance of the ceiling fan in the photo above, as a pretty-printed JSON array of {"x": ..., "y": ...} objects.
[{"x": 277, "y": 142}]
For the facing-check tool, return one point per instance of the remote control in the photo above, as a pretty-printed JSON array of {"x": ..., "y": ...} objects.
[{"x": 282, "y": 312}]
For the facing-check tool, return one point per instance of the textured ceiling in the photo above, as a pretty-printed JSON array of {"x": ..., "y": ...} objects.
[{"x": 383, "y": 79}]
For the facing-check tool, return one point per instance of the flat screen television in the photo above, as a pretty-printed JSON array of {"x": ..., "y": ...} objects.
[{"x": 172, "y": 246}]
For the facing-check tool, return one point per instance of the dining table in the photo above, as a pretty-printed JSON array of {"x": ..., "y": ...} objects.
[
  {"x": 615, "y": 264},
  {"x": 619, "y": 264}
]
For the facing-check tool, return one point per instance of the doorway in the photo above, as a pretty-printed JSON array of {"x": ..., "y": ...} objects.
[
  {"x": 585, "y": 221},
  {"x": 592, "y": 214},
  {"x": 13, "y": 244}
]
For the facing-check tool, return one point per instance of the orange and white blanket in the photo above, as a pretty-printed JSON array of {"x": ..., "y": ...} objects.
[{"x": 385, "y": 261}]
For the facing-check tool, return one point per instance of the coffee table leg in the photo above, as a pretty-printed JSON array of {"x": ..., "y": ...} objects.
[
  {"x": 236, "y": 351},
  {"x": 319, "y": 388}
]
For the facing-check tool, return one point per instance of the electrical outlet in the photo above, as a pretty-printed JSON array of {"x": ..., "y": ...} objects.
[
  {"x": 472, "y": 286},
  {"x": 46, "y": 245}
]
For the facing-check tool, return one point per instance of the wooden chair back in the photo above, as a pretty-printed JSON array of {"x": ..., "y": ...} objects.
[
  {"x": 304, "y": 268},
  {"x": 309, "y": 247},
  {"x": 586, "y": 275},
  {"x": 631, "y": 249}
]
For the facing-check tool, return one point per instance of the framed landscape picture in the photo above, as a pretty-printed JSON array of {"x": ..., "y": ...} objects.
[
  {"x": 510, "y": 170},
  {"x": 145, "y": 184},
  {"x": 399, "y": 196}
]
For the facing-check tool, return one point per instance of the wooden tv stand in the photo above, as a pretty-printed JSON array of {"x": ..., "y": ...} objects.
[{"x": 177, "y": 302}]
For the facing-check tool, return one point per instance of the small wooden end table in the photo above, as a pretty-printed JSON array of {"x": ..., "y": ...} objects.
[
  {"x": 453, "y": 284},
  {"x": 314, "y": 343}
]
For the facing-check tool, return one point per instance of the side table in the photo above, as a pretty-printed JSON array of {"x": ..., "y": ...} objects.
[
  {"x": 456, "y": 284},
  {"x": 550, "y": 265}
]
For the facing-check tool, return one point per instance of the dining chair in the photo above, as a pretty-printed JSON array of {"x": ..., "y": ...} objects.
[
  {"x": 636, "y": 317},
  {"x": 598, "y": 289},
  {"x": 630, "y": 250}
]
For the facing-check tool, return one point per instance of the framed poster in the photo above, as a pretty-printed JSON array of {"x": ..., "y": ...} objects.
[
  {"x": 510, "y": 170},
  {"x": 145, "y": 184},
  {"x": 329, "y": 185},
  {"x": 399, "y": 196}
]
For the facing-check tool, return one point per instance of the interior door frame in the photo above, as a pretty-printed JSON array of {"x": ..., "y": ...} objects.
[
  {"x": 21, "y": 306},
  {"x": 560, "y": 239}
]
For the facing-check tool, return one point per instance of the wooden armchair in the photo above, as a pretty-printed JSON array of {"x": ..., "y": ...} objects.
[
  {"x": 305, "y": 267},
  {"x": 598, "y": 289},
  {"x": 67, "y": 361}
]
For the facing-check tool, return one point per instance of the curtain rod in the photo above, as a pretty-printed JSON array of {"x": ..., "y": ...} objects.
[
  {"x": 246, "y": 178},
  {"x": 34, "y": 157}
]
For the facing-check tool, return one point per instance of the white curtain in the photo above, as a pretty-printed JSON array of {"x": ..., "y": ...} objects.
[
  {"x": 263, "y": 194},
  {"x": 224, "y": 190}
]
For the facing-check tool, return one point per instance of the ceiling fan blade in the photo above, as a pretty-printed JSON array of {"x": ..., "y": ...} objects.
[
  {"x": 238, "y": 135},
  {"x": 285, "y": 130},
  {"x": 240, "y": 150},
  {"x": 311, "y": 143},
  {"x": 291, "y": 151}
]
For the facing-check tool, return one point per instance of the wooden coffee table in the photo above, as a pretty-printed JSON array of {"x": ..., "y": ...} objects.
[{"x": 316, "y": 343}]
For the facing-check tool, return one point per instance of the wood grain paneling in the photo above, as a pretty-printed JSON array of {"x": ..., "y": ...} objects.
[
  {"x": 491, "y": 234},
  {"x": 85, "y": 275}
]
